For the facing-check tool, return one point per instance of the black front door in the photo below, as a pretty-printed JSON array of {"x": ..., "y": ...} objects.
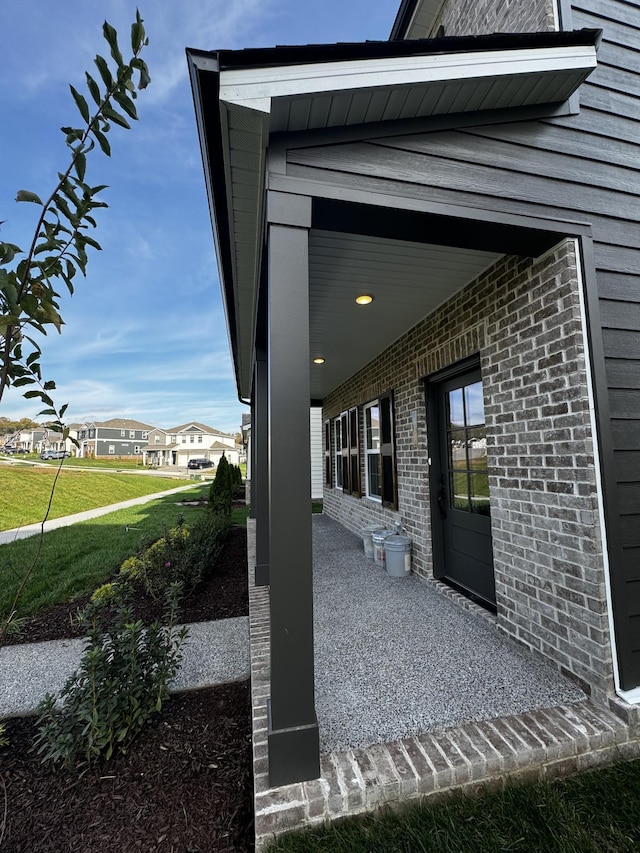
[{"x": 461, "y": 507}]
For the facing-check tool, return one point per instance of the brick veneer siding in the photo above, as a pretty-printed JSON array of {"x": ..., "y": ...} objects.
[
  {"x": 478, "y": 17},
  {"x": 524, "y": 320}
]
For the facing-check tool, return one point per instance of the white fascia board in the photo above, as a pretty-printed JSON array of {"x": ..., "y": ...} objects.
[{"x": 256, "y": 84}]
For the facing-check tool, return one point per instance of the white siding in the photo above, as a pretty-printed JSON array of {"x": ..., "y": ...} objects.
[{"x": 317, "y": 454}]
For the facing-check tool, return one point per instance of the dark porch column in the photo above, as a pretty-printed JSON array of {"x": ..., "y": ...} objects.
[
  {"x": 293, "y": 726},
  {"x": 260, "y": 474},
  {"x": 251, "y": 454}
]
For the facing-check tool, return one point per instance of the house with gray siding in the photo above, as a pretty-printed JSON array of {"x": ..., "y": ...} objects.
[
  {"x": 116, "y": 438},
  {"x": 436, "y": 239}
]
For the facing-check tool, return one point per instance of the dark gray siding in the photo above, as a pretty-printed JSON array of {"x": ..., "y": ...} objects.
[{"x": 584, "y": 168}]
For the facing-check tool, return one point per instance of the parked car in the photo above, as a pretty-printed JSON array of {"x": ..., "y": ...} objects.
[
  {"x": 54, "y": 454},
  {"x": 199, "y": 463}
]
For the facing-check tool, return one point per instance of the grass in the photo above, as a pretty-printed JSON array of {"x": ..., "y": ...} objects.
[
  {"x": 24, "y": 492},
  {"x": 595, "y": 812},
  {"x": 76, "y": 559},
  {"x": 85, "y": 462}
]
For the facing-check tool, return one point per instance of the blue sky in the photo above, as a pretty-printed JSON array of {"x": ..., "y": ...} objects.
[{"x": 145, "y": 335}]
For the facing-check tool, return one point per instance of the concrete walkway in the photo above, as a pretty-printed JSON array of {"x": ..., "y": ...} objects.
[
  {"x": 66, "y": 520},
  {"x": 214, "y": 653}
]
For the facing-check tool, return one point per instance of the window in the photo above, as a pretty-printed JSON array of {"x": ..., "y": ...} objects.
[
  {"x": 327, "y": 453},
  {"x": 379, "y": 451},
  {"x": 191, "y": 439},
  {"x": 145, "y": 435},
  {"x": 112, "y": 448},
  {"x": 199, "y": 439},
  {"x": 132, "y": 433},
  {"x": 156, "y": 438},
  {"x": 349, "y": 451},
  {"x": 122, "y": 433},
  {"x": 136, "y": 448},
  {"x": 337, "y": 434}
]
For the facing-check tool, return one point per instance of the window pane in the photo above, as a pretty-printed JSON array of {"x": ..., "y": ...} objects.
[
  {"x": 373, "y": 472},
  {"x": 477, "y": 449},
  {"x": 457, "y": 449},
  {"x": 372, "y": 430},
  {"x": 456, "y": 410},
  {"x": 474, "y": 404},
  {"x": 480, "y": 494}
]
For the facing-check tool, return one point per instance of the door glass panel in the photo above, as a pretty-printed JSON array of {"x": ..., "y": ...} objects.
[
  {"x": 474, "y": 408},
  {"x": 467, "y": 450},
  {"x": 456, "y": 408},
  {"x": 479, "y": 493}
]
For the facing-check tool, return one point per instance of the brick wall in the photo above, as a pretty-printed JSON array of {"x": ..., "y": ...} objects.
[
  {"x": 478, "y": 17},
  {"x": 524, "y": 320}
]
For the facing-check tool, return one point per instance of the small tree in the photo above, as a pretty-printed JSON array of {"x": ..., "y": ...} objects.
[
  {"x": 221, "y": 491},
  {"x": 29, "y": 300}
]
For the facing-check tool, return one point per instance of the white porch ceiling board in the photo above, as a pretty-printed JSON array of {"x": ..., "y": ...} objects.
[{"x": 408, "y": 281}]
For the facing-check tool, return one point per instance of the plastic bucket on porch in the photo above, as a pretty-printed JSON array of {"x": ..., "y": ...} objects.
[
  {"x": 397, "y": 551},
  {"x": 367, "y": 541},
  {"x": 378, "y": 545}
]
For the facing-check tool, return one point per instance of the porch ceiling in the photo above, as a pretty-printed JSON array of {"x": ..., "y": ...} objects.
[
  {"x": 241, "y": 97},
  {"x": 408, "y": 280}
]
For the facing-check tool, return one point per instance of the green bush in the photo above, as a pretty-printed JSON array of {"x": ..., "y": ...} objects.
[
  {"x": 205, "y": 543},
  {"x": 221, "y": 491},
  {"x": 122, "y": 680},
  {"x": 165, "y": 562}
]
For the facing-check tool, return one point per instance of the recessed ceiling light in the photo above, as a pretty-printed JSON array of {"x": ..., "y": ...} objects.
[
  {"x": 318, "y": 360},
  {"x": 364, "y": 299}
]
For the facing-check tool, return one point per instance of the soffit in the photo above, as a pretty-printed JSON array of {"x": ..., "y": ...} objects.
[{"x": 416, "y": 19}]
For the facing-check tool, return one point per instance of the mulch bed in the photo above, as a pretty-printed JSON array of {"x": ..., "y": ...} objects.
[
  {"x": 221, "y": 595},
  {"x": 186, "y": 783}
]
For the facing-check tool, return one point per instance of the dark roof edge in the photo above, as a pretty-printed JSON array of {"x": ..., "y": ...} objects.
[
  {"x": 403, "y": 19},
  {"x": 314, "y": 53}
]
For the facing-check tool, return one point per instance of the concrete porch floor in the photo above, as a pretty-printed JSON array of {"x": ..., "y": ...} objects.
[{"x": 417, "y": 693}]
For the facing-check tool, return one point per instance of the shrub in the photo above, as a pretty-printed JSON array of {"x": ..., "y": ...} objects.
[
  {"x": 3, "y": 739},
  {"x": 205, "y": 543},
  {"x": 165, "y": 562},
  {"x": 106, "y": 592},
  {"x": 221, "y": 493},
  {"x": 132, "y": 567},
  {"x": 122, "y": 680}
]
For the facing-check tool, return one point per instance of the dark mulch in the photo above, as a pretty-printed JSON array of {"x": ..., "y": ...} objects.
[
  {"x": 222, "y": 595},
  {"x": 184, "y": 786}
]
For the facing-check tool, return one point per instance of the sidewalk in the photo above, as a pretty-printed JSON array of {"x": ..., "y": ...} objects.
[
  {"x": 66, "y": 520},
  {"x": 214, "y": 653}
]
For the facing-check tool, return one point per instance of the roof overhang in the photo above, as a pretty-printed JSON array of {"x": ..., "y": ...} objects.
[
  {"x": 416, "y": 18},
  {"x": 242, "y": 97}
]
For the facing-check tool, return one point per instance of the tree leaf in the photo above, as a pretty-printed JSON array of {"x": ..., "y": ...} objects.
[
  {"x": 126, "y": 103},
  {"x": 94, "y": 89},
  {"x": 26, "y": 195},
  {"x": 112, "y": 40},
  {"x": 103, "y": 142},
  {"x": 103, "y": 68},
  {"x": 80, "y": 165},
  {"x": 115, "y": 117},
  {"x": 81, "y": 104}
]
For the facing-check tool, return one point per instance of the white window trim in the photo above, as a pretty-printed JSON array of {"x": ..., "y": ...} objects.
[{"x": 371, "y": 452}]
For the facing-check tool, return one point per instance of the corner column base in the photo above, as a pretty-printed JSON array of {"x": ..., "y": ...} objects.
[
  {"x": 294, "y": 754},
  {"x": 262, "y": 574}
]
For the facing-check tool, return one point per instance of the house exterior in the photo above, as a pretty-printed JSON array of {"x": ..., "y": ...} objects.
[
  {"x": 316, "y": 451},
  {"x": 473, "y": 183},
  {"x": 117, "y": 437},
  {"x": 176, "y": 446}
]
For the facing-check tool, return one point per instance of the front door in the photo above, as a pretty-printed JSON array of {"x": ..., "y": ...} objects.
[{"x": 461, "y": 509}]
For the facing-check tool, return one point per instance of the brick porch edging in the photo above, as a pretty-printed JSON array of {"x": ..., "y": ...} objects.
[{"x": 541, "y": 744}]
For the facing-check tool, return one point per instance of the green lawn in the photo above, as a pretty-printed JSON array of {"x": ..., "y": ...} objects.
[
  {"x": 595, "y": 812},
  {"x": 77, "y": 559},
  {"x": 24, "y": 492},
  {"x": 82, "y": 462}
]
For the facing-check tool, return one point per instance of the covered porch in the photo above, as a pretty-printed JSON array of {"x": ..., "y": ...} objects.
[{"x": 417, "y": 692}]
